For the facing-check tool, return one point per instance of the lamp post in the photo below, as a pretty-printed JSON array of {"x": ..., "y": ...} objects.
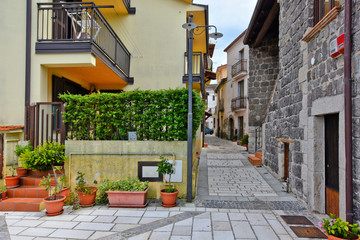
[{"x": 190, "y": 26}]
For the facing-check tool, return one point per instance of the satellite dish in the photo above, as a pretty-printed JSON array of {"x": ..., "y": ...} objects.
[
  {"x": 189, "y": 26},
  {"x": 215, "y": 35}
]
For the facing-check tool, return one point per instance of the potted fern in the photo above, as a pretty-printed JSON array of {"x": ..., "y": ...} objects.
[
  {"x": 85, "y": 193},
  {"x": 55, "y": 201},
  {"x": 123, "y": 193},
  {"x": 169, "y": 194}
]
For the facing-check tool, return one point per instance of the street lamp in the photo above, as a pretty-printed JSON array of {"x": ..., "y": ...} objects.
[{"x": 191, "y": 26}]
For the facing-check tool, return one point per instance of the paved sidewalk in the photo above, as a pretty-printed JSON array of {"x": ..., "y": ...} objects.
[{"x": 234, "y": 201}]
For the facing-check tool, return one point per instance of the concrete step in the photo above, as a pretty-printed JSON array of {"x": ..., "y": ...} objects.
[
  {"x": 258, "y": 155},
  {"x": 27, "y": 191},
  {"x": 22, "y": 204},
  {"x": 255, "y": 161}
]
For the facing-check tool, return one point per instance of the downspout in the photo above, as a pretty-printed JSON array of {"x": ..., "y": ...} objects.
[
  {"x": 27, "y": 68},
  {"x": 348, "y": 113}
]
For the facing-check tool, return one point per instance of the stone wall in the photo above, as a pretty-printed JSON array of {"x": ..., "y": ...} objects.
[
  {"x": 306, "y": 92},
  {"x": 356, "y": 107},
  {"x": 263, "y": 71}
]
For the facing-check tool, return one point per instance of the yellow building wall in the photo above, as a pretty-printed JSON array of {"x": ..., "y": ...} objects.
[
  {"x": 12, "y": 62},
  {"x": 156, "y": 40}
]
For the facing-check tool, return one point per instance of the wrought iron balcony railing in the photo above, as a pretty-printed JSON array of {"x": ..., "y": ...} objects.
[
  {"x": 83, "y": 25},
  {"x": 197, "y": 66},
  {"x": 238, "y": 103},
  {"x": 239, "y": 67}
]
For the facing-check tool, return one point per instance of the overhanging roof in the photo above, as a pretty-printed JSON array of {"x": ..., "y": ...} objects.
[
  {"x": 264, "y": 14},
  {"x": 236, "y": 39}
]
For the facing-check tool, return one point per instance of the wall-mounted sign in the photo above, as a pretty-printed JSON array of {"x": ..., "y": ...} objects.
[
  {"x": 132, "y": 136},
  {"x": 147, "y": 172}
]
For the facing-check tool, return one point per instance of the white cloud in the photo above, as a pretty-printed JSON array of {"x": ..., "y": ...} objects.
[{"x": 231, "y": 17}]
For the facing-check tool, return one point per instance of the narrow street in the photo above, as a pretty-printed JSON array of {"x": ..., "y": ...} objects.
[{"x": 234, "y": 201}]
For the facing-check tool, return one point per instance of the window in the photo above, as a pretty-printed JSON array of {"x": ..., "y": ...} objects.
[
  {"x": 322, "y": 7},
  {"x": 213, "y": 97},
  {"x": 241, "y": 54},
  {"x": 241, "y": 89}
]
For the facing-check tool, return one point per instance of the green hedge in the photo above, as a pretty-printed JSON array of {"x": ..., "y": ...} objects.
[{"x": 155, "y": 115}]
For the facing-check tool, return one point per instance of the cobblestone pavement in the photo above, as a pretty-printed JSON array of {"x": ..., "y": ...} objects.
[{"x": 234, "y": 201}]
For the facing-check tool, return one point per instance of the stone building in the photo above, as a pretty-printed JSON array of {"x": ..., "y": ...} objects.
[{"x": 304, "y": 140}]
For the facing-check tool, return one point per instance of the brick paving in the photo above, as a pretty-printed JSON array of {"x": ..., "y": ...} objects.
[{"x": 248, "y": 206}]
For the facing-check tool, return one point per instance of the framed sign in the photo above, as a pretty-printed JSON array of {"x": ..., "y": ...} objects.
[{"x": 147, "y": 172}]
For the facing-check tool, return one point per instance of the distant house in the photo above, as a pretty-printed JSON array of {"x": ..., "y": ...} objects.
[
  {"x": 221, "y": 78},
  {"x": 211, "y": 106},
  {"x": 300, "y": 94},
  {"x": 237, "y": 109}
]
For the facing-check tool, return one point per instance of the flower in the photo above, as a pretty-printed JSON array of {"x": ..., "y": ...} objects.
[{"x": 337, "y": 227}]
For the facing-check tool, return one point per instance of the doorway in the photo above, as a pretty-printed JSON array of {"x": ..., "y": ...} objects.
[
  {"x": 240, "y": 127},
  {"x": 332, "y": 164},
  {"x": 286, "y": 161},
  {"x": 231, "y": 123}
]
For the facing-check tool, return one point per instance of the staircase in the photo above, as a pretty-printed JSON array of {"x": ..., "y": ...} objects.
[
  {"x": 256, "y": 160},
  {"x": 28, "y": 197}
]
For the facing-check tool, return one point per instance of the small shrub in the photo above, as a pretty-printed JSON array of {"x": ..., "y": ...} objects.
[
  {"x": 120, "y": 185},
  {"x": 339, "y": 228},
  {"x": 81, "y": 184},
  {"x": 165, "y": 167},
  {"x": 44, "y": 156},
  {"x": 245, "y": 140}
]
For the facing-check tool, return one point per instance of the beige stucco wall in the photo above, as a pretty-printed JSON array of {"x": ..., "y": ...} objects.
[
  {"x": 12, "y": 62},
  {"x": 116, "y": 160}
]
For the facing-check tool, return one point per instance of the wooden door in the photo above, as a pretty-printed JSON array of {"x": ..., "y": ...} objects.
[
  {"x": 241, "y": 127},
  {"x": 286, "y": 161},
  {"x": 332, "y": 164}
]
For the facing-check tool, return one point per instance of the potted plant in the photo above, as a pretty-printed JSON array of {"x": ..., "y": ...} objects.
[
  {"x": 85, "y": 193},
  {"x": 123, "y": 193},
  {"x": 12, "y": 181},
  {"x": 44, "y": 157},
  {"x": 22, "y": 171},
  {"x": 336, "y": 228},
  {"x": 55, "y": 201},
  {"x": 168, "y": 195},
  {"x": 3, "y": 190},
  {"x": 245, "y": 141}
]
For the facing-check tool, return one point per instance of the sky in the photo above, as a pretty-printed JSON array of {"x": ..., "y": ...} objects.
[{"x": 231, "y": 17}]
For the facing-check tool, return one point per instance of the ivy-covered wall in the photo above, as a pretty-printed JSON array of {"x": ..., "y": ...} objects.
[{"x": 155, "y": 115}]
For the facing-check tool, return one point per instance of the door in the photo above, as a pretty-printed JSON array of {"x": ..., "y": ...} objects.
[
  {"x": 231, "y": 123},
  {"x": 286, "y": 161},
  {"x": 332, "y": 164},
  {"x": 241, "y": 127}
]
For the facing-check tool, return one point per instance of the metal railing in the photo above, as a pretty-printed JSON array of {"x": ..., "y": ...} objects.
[
  {"x": 198, "y": 65},
  {"x": 81, "y": 22},
  {"x": 127, "y": 3},
  {"x": 238, "y": 67},
  {"x": 238, "y": 103}
]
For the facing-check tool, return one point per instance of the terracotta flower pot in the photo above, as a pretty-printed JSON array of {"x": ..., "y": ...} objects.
[
  {"x": 54, "y": 207},
  {"x": 205, "y": 145},
  {"x": 21, "y": 171},
  {"x": 3, "y": 195},
  {"x": 127, "y": 198},
  {"x": 87, "y": 200},
  {"x": 168, "y": 199},
  {"x": 330, "y": 237},
  {"x": 65, "y": 192},
  {"x": 12, "y": 182}
]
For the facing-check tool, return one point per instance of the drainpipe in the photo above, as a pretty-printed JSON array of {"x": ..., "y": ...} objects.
[
  {"x": 27, "y": 68},
  {"x": 348, "y": 113}
]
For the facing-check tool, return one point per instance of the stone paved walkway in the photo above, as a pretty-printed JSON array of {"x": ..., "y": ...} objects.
[{"x": 234, "y": 201}]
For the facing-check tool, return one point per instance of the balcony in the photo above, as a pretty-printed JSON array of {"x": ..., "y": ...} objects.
[
  {"x": 239, "y": 69},
  {"x": 81, "y": 28},
  {"x": 198, "y": 71},
  {"x": 238, "y": 103}
]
